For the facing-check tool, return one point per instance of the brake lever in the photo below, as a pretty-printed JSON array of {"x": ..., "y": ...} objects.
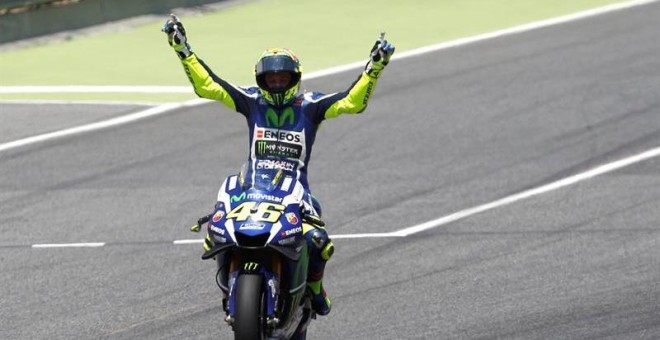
[{"x": 197, "y": 227}]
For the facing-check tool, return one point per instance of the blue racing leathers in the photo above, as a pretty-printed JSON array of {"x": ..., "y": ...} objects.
[
  {"x": 282, "y": 138},
  {"x": 279, "y": 138}
]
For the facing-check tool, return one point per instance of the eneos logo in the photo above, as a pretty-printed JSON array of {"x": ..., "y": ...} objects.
[
  {"x": 281, "y": 135},
  {"x": 291, "y": 231}
]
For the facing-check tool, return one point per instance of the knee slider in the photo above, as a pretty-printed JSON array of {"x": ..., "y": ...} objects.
[
  {"x": 322, "y": 241},
  {"x": 327, "y": 251},
  {"x": 319, "y": 237}
]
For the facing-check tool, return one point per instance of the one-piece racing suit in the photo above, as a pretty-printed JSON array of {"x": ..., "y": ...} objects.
[{"x": 282, "y": 138}]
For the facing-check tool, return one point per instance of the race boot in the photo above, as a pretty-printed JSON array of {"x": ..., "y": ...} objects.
[
  {"x": 321, "y": 249},
  {"x": 320, "y": 299}
]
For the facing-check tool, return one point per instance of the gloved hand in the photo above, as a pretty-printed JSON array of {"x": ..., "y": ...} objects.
[
  {"x": 380, "y": 57},
  {"x": 176, "y": 36}
]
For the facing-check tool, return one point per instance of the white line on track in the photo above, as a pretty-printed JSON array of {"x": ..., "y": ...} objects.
[
  {"x": 367, "y": 235},
  {"x": 81, "y": 102},
  {"x": 100, "y": 125},
  {"x": 69, "y": 245},
  {"x": 413, "y": 229},
  {"x": 175, "y": 89},
  {"x": 95, "y": 89},
  {"x": 603, "y": 169},
  {"x": 459, "y": 215},
  {"x": 412, "y": 53},
  {"x": 527, "y": 27},
  {"x": 189, "y": 241}
]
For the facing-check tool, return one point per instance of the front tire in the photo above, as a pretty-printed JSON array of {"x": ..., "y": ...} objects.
[
  {"x": 249, "y": 320},
  {"x": 300, "y": 335}
]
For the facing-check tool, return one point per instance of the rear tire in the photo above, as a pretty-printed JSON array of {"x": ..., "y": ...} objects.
[{"x": 249, "y": 320}]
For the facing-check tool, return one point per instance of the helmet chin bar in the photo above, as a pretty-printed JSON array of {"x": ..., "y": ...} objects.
[{"x": 280, "y": 98}]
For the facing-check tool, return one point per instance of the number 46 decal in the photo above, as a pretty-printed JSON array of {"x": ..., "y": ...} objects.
[{"x": 263, "y": 212}]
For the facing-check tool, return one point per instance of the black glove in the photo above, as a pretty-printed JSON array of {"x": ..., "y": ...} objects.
[
  {"x": 176, "y": 36},
  {"x": 380, "y": 57}
]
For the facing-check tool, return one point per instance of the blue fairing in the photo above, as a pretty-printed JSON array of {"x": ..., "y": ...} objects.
[
  {"x": 263, "y": 212},
  {"x": 257, "y": 229}
]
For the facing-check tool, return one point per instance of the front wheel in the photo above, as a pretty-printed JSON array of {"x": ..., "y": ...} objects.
[
  {"x": 249, "y": 320},
  {"x": 300, "y": 335}
]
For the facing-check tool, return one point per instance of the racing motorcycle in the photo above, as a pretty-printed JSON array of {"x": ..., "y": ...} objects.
[{"x": 256, "y": 237}]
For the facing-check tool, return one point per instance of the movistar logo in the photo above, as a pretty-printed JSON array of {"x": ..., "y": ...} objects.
[
  {"x": 275, "y": 120},
  {"x": 238, "y": 198}
]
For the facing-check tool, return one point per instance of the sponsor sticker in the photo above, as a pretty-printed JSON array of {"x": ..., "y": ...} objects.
[
  {"x": 251, "y": 226},
  {"x": 286, "y": 241},
  {"x": 264, "y": 197},
  {"x": 217, "y": 230},
  {"x": 270, "y": 164},
  {"x": 218, "y": 216},
  {"x": 292, "y": 218},
  {"x": 251, "y": 266},
  {"x": 281, "y": 135},
  {"x": 266, "y": 148},
  {"x": 238, "y": 198},
  {"x": 290, "y": 232}
]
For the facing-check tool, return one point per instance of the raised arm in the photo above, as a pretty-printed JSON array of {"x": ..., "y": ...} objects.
[
  {"x": 356, "y": 98},
  {"x": 205, "y": 83}
]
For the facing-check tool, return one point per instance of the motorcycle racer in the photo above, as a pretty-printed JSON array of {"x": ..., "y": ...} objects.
[{"x": 283, "y": 123}]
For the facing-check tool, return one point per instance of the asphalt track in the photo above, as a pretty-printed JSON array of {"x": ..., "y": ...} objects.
[{"x": 445, "y": 131}]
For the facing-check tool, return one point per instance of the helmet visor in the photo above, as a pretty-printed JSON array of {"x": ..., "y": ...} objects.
[{"x": 277, "y": 64}]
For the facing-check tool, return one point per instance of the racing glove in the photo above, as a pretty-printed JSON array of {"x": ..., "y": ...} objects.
[
  {"x": 176, "y": 36},
  {"x": 380, "y": 57}
]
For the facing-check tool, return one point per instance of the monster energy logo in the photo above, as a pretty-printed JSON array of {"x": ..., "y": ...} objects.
[
  {"x": 250, "y": 266},
  {"x": 261, "y": 147},
  {"x": 278, "y": 149},
  {"x": 275, "y": 120},
  {"x": 238, "y": 198}
]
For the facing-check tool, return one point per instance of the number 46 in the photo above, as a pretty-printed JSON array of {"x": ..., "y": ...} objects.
[{"x": 263, "y": 212}]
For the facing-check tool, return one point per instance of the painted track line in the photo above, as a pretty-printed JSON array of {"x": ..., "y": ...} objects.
[
  {"x": 333, "y": 70},
  {"x": 175, "y": 89},
  {"x": 81, "y": 102},
  {"x": 101, "y": 125},
  {"x": 459, "y": 215},
  {"x": 496, "y": 34},
  {"x": 465, "y": 213},
  {"x": 424, "y": 226},
  {"x": 194, "y": 241},
  {"x": 527, "y": 27},
  {"x": 69, "y": 245},
  {"x": 95, "y": 89}
]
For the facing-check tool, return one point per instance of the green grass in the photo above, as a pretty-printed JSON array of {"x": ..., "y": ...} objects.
[{"x": 322, "y": 33}]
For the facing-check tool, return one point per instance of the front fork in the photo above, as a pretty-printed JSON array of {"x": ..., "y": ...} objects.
[{"x": 271, "y": 287}]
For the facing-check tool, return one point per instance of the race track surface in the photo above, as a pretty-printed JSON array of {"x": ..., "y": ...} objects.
[{"x": 445, "y": 131}]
